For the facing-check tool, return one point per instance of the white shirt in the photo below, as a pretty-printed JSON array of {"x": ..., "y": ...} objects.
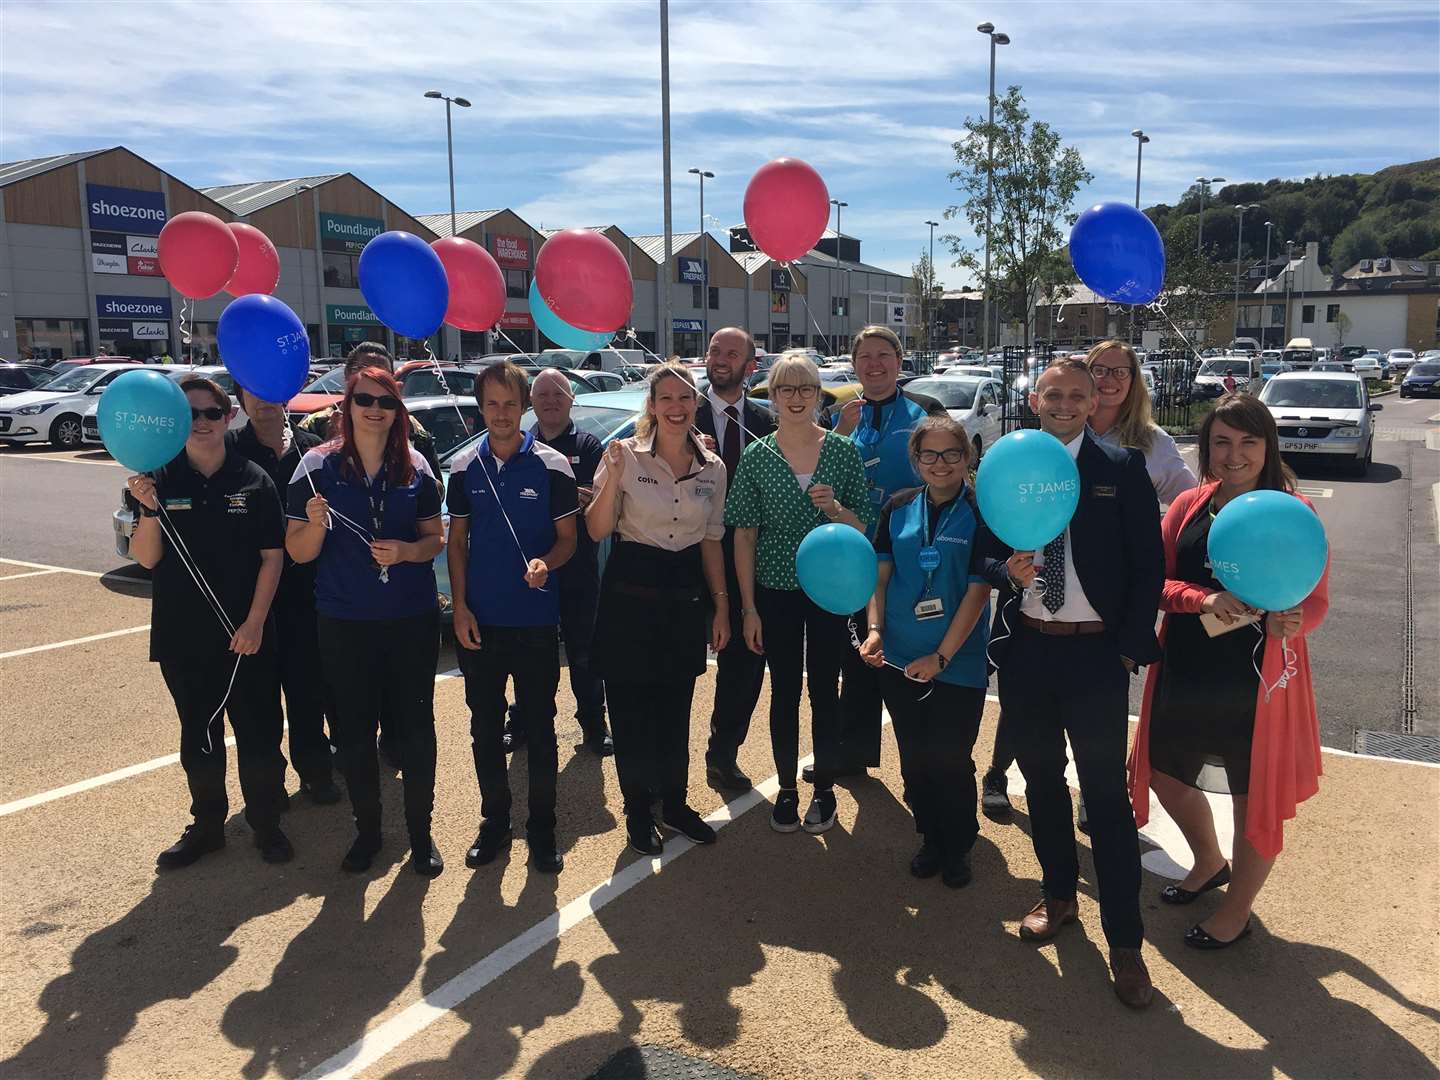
[
  {"x": 718, "y": 405},
  {"x": 656, "y": 507},
  {"x": 1076, "y": 607},
  {"x": 1169, "y": 475}
]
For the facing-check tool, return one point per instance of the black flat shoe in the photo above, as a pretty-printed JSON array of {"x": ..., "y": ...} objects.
[
  {"x": 598, "y": 743},
  {"x": 1197, "y": 938},
  {"x": 274, "y": 845},
  {"x": 425, "y": 860},
  {"x": 1174, "y": 894},
  {"x": 361, "y": 854},
  {"x": 321, "y": 792},
  {"x": 727, "y": 778},
  {"x": 547, "y": 860},
  {"x": 688, "y": 823},
  {"x": 643, "y": 836},
  {"x": 926, "y": 863},
  {"x": 197, "y": 840},
  {"x": 492, "y": 840}
]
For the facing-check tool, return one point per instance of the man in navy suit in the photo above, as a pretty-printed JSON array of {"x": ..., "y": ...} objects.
[
  {"x": 1065, "y": 657},
  {"x": 732, "y": 421}
]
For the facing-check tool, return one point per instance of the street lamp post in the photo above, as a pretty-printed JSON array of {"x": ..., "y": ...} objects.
[
  {"x": 704, "y": 266},
  {"x": 1204, "y": 182},
  {"x": 930, "y": 288},
  {"x": 1240, "y": 212},
  {"x": 839, "y": 275},
  {"x": 1140, "y": 140},
  {"x": 666, "y": 292},
  {"x": 1289, "y": 280},
  {"x": 988, "y": 29},
  {"x": 449, "y": 144},
  {"x": 1265, "y": 303}
]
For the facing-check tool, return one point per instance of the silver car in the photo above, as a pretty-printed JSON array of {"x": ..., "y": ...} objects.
[
  {"x": 971, "y": 401},
  {"x": 1323, "y": 414}
]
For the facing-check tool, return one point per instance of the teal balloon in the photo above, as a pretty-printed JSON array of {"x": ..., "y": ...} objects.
[
  {"x": 144, "y": 420},
  {"x": 1027, "y": 487},
  {"x": 837, "y": 568},
  {"x": 561, "y": 332},
  {"x": 1269, "y": 549}
]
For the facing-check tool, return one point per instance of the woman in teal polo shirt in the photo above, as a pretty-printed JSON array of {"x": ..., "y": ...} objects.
[
  {"x": 789, "y": 482},
  {"x": 928, "y": 621}
]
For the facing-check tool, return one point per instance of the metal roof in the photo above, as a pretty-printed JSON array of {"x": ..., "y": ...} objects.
[
  {"x": 654, "y": 245},
  {"x": 816, "y": 257},
  {"x": 465, "y": 220},
  {"x": 22, "y": 170},
  {"x": 255, "y": 195},
  {"x": 547, "y": 233}
]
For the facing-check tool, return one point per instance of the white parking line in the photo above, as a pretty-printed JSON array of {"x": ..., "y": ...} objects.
[
  {"x": 28, "y": 573},
  {"x": 47, "y": 566},
  {"x": 63, "y": 456},
  {"x": 72, "y": 641}
]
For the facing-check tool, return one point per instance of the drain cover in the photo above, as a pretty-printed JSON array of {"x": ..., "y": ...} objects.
[
  {"x": 1405, "y": 747},
  {"x": 658, "y": 1063}
]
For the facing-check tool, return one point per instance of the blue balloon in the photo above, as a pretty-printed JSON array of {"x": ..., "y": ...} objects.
[
  {"x": 837, "y": 568},
  {"x": 1118, "y": 252},
  {"x": 561, "y": 332},
  {"x": 1269, "y": 549},
  {"x": 264, "y": 345},
  {"x": 404, "y": 283},
  {"x": 1027, "y": 487},
  {"x": 144, "y": 420}
]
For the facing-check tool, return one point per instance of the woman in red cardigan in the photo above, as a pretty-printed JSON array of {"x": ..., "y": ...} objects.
[{"x": 1233, "y": 713}]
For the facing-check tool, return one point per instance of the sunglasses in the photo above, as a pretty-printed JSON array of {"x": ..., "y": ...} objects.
[
  {"x": 388, "y": 402},
  {"x": 214, "y": 412}
]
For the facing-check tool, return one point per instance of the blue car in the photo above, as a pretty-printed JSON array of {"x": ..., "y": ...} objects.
[{"x": 1422, "y": 380}]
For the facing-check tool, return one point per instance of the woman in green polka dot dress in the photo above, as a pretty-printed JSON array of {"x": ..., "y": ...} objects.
[{"x": 788, "y": 483}]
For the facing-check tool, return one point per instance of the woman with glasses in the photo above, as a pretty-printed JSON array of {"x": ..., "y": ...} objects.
[
  {"x": 789, "y": 482},
  {"x": 928, "y": 630},
  {"x": 365, "y": 507},
  {"x": 210, "y": 529}
]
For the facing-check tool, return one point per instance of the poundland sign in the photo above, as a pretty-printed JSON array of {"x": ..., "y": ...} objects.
[
  {"x": 349, "y": 315},
  {"x": 341, "y": 232},
  {"x": 125, "y": 210}
]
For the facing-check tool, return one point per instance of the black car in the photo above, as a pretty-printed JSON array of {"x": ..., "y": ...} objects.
[
  {"x": 17, "y": 378},
  {"x": 1422, "y": 380}
]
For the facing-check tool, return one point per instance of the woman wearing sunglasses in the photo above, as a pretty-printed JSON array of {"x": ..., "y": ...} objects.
[
  {"x": 928, "y": 631},
  {"x": 210, "y": 528},
  {"x": 366, "y": 508},
  {"x": 789, "y": 482}
]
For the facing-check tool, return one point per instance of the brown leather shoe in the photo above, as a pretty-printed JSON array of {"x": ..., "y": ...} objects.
[
  {"x": 1047, "y": 917},
  {"x": 1132, "y": 980}
]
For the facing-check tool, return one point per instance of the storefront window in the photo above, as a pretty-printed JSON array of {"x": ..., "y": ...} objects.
[
  {"x": 687, "y": 343},
  {"x": 340, "y": 270},
  {"x": 714, "y": 298},
  {"x": 51, "y": 339},
  {"x": 517, "y": 284},
  {"x": 345, "y": 338}
]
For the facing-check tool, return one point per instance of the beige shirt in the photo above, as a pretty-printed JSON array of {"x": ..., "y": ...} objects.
[
  {"x": 655, "y": 507},
  {"x": 1076, "y": 607}
]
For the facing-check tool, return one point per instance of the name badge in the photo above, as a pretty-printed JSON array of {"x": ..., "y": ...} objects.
[
  {"x": 929, "y": 609},
  {"x": 872, "y": 463},
  {"x": 1103, "y": 491},
  {"x": 929, "y": 559},
  {"x": 177, "y": 504},
  {"x": 574, "y": 459}
]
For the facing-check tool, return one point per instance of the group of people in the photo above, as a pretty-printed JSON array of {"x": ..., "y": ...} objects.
[{"x": 707, "y": 504}]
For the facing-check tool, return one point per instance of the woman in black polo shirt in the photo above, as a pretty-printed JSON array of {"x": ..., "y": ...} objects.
[
  {"x": 223, "y": 513},
  {"x": 366, "y": 506}
]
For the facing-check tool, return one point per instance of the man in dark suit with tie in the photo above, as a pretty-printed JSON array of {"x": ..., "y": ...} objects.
[
  {"x": 1065, "y": 655},
  {"x": 733, "y": 422}
]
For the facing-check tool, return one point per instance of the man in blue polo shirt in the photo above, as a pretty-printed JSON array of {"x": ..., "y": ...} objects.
[{"x": 512, "y": 503}]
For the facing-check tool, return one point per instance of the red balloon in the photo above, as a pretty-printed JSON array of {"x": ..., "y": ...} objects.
[
  {"x": 787, "y": 207},
  {"x": 477, "y": 285},
  {"x": 584, "y": 280},
  {"x": 198, "y": 254},
  {"x": 259, "y": 268}
]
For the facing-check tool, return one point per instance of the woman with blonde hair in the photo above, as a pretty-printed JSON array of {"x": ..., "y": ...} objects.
[{"x": 1123, "y": 418}]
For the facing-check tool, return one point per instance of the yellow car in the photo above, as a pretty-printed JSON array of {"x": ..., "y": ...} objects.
[{"x": 833, "y": 396}]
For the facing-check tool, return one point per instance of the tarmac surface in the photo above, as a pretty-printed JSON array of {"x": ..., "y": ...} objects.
[{"x": 778, "y": 956}]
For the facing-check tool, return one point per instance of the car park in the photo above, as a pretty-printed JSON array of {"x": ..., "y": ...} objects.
[
  {"x": 971, "y": 401},
  {"x": 1299, "y": 353},
  {"x": 17, "y": 378},
  {"x": 1421, "y": 380},
  {"x": 1333, "y": 365},
  {"x": 1399, "y": 360},
  {"x": 1270, "y": 369},
  {"x": 55, "y": 413},
  {"x": 1367, "y": 366},
  {"x": 450, "y": 419},
  {"x": 1323, "y": 415},
  {"x": 1210, "y": 379},
  {"x": 90, "y": 424}
]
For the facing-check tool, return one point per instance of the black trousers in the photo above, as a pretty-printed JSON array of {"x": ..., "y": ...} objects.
[
  {"x": 531, "y": 656},
  {"x": 860, "y": 699},
  {"x": 1050, "y": 688},
  {"x": 197, "y": 685},
  {"x": 307, "y": 697},
  {"x": 804, "y": 646},
  {"x": 937, "y": 743},
  {"x": 384, "y": 666},
  {"x": 579, "y": 597},
  {"x": 739, "y": 675},
  {"x": 650, "y": 723},
  {"x": 1003, "y": 756}
]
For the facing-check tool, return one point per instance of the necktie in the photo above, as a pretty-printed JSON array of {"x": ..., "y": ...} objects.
[
  {"x": 1054, "y": 574},
  {"x": 730, "y": 445}
]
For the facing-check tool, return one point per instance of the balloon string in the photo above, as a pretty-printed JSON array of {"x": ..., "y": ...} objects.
[
  {"x": 805, "y": 303},
  {"x": 445, "y": 389},
  {"x": 1158, "y": 306},
  {"x": 855, "y": 644},
  {"x": 1289, "y": 658}
]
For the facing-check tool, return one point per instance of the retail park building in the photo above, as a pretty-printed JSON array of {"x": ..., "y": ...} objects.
[{"x": 79, "y": 272}]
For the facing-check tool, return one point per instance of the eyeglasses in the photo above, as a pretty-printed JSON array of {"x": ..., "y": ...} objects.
[
  {"x": 214, "y": 412},
  {"x": 803, "y": 392},
  {"x": 951, "y": 457},
  {"x": 1121, "y": 373},
  {"x": 388, "y": 402}
]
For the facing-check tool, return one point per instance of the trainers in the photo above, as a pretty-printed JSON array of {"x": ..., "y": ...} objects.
[
  {"x": 644, "y": 838},
  {"x": 926, "y": 863},
  {"x": 195, "y": 841},
  {"x": 994, "y": 793},
  {"x": 821, "y": 814},
  {"x": 786, "y": 815},
  {"x": 274, "y": 845},
  {"x": 688, "y": 823}
]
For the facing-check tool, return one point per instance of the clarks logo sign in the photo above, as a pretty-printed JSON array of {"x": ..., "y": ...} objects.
[{"x": 126, "y": 210}]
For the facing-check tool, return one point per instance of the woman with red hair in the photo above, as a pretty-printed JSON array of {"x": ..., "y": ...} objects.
[{"x": 367, "y": 507}]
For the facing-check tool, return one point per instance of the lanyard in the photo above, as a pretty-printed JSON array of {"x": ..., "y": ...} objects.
[
  {"x": 867, "y": 434},
  {"x": 928, "y": 552},
  {"x": 375, "y": 496}
]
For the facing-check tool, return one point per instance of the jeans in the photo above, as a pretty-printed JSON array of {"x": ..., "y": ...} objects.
[
  {"x": 937, "y": 742},
  {"x": 650, "y": 723},
  {"x": 798, "y": 635},
  {"x": 307, "y": 696},
  {"x": 531, "y": 656}
]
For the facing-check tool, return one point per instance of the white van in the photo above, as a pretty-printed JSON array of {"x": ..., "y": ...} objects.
[
  {"x": 1299, "y": 352},
  {"x": 596, "y": 360}
]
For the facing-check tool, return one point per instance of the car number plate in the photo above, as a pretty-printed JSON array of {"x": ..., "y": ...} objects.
[{"x": 1298, "y": 445}]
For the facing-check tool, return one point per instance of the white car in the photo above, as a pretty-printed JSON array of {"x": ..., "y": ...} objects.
[
  {"x": 972, "y": 401},
  {"x": 1324, "y": 414},
  {"x": 217, "y": 373},
  {"x": 975, "y": 371},
  {"x": 1367, "y": 366},
  {"x": 1400, "y": 360},
  {"x": 55, "y": 413}
]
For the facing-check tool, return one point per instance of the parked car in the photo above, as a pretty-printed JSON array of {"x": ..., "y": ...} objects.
[
  {"x": 82, "y": 361},
  {"x": 1400, "y": 359},
  {"x": 1210, "y": 378},
  {"x": 17, "y": 378},
  {"x": 1271, "y": 354},
  {"x": 1270, "y": 369},
  {"x": 1350, "y": 352},
  {"x": 1367, "y": 367},
  {"x": 55, "y": 412},
  {"x": 90, "y": 424},
  {"x": 1422, "y": 380},
  {"x": 971, "y": 401},
  {"x": 1333, "y": 365},
  {"x": 450, "y": 419},
  {"x": 1323, "y": 414}
]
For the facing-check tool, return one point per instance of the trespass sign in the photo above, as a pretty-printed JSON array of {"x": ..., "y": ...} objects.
[
  {"x": 125, "y": 210},
  {"x": 341, "y": 232}
]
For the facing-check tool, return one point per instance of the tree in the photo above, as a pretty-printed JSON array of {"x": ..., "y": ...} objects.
[
  {"x": 1342, "y": 327},
  {"x": 1196, "y": 289},
  {"x": 922, "y": 299},
  {"x": 1035, "y": 181}
]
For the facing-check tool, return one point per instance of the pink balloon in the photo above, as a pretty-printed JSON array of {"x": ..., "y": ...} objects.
[
  {"x": 787, "y": 207},
  {"x": 259, "y": 267},
  {"x": 477, "y": 285},
  {"x": 198, "y": 254},
  {"x": 584, "y": 280}
]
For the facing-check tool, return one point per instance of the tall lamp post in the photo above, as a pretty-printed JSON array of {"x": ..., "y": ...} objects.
[
  {"x": 930, "y": 288},
  {"x": 1289, "y": 280},
  {"x": 1240, "y": 212},
  {"x": 988, "y": 29},
  {"x": 704, "y": 266},
  {"x": 839, "y": 274},
  {"x": 666, "y": 292},
  {"x": 449, "y": 144},
  {"x": 1140, "y": 140},
  {"x": 1265, "y": 304},
  {"x": 1204, "y": 182}
]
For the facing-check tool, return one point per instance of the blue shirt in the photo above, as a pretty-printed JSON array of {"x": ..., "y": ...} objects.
[
  {"x": 883, "y": 439},
  {"x": 535, "y": 488},
  {"x": 904, "y": 525},
  {"x": 347, "y": 581}
]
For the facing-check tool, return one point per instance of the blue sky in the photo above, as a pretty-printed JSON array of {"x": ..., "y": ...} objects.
[{"x": 565, "y": 126}]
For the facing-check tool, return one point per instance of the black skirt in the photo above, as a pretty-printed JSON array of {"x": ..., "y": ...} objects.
[
  {"x": 653, "y": 619},
  {"x": 1202, "y": 720}
]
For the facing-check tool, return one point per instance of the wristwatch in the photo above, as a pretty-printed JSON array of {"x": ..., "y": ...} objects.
[
  {"x": 876, "y": 628},
  {"x": 943, "y": 662}
]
